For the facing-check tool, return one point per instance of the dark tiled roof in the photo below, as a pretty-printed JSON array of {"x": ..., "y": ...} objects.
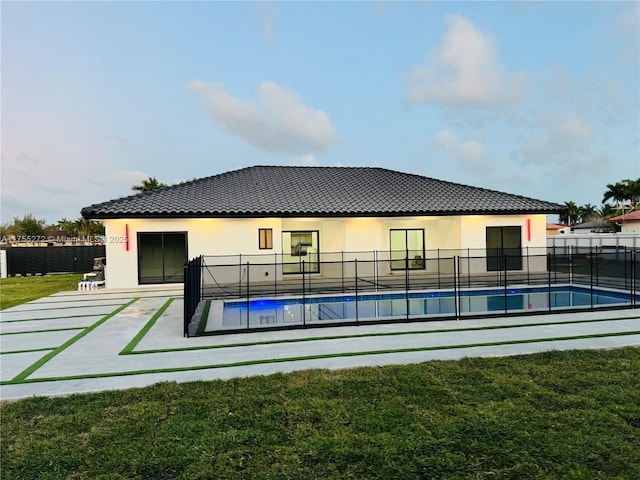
[{"x": 271, "y": 191}]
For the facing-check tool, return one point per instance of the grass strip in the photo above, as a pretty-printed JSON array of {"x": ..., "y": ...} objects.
[
  {"x": 364, "y": 335},
  {"x": 94, "y": 296},
  {"x": 66, "y": 307},
  {"x": 45, "y": 349},
  {"x": 43, "y": 330},
  {"x": 204, "y": 318},
  {"x": 48, "y": 318},
  {"x": 32, "y": 368},
  {"x": 20, "y": 380},
  {"x": 134, "y": 342}
]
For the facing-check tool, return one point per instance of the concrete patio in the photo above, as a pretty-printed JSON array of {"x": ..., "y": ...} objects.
[{"x": 76, "y": 342}]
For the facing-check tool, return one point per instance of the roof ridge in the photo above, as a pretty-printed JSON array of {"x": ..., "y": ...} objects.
[{"x": 312, "y": 190}]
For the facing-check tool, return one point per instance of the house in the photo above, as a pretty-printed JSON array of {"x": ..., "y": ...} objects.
[
  {"x": 302, "y": 212},
  {"x": 554, "y": 229},
  {"x": 629, "y": 222},
  {"x": 597, "y": 225}
]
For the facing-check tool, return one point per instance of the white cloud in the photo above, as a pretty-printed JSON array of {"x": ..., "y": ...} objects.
[
  {"x": 280, "y": 123},
  {"x": 471, "y": 154},
  {"x": 267, "y": 16},
  {"x": 562, "y": 143},
  {"x": 307, "y": 161},
  {"x": 465, "y": 71}
]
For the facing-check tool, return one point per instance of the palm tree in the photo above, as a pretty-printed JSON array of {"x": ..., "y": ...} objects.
[
  {"x": 587, "y": 212},
  {"x": 616, "y": 191},
  {"x": 147, "y": 185},
  {"x": 65, "y": 225},
  {"x": 607, "y": 210},
  {"x": 632, "y": 192},
  {"x": 570, "y": 214}
]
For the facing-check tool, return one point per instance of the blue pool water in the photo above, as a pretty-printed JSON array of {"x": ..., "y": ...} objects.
[{"x": 395, "y": 306}]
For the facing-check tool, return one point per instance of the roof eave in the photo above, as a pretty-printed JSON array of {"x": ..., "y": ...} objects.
[{"x": 446, "y": 213}]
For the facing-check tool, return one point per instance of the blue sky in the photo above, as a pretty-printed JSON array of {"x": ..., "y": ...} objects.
[{"x": 533, "y": 98}]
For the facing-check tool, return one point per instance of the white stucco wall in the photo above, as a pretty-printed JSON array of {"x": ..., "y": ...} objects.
[{"x": 240, "y": 236}]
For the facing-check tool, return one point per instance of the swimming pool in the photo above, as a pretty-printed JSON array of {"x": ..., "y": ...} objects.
[{"x": 292, "y": 312}]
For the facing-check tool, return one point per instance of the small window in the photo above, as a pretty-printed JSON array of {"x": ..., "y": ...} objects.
[{"x": 265, "y": 238}]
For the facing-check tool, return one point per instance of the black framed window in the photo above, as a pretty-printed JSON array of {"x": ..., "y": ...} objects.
[
  {"x": 161, "y": 257},
  {"x": 504, "y": 248},
  {"x": 265, "y": 238},
  {"x": 301, "y": 249},
  {"x": 407, "y": 249}
]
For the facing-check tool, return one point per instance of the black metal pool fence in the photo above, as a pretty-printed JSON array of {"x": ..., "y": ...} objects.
[{"x": 248, "y": 277}]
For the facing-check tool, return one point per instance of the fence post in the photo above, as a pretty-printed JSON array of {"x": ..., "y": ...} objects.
[
  {"x": 634, "y": 258},
  {"x": 187, "y": 300},
  {"x": 456, "y": 261},
  {"x": 591, "y": 275},
  {"x": 528, "y": 275},
  {"x": 248, "y": 326},
  {"x": 356, "y": 272},
  {"x": 375, "y": 268},
  {"x": 469, "y": 267},
  {"x": 624, "y": 263},
  {"x": 570, "y": 265},
  {"x": 304, "y": 304},
  {"x": 439, "y": 269},
  {"x": 549, "y": 279},
  {"x": 342, "y": 268},
  {"x": 240, "y": 276},
  {"x": 505, "y": 285}
]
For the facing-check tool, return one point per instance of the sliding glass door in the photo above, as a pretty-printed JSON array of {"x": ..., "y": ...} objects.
[
  {"x": 504, "y": 248},
  {"x": 161, "y": 257}
]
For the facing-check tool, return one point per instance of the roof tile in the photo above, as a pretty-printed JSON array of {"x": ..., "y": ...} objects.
[{"x": 316, "y": 191}]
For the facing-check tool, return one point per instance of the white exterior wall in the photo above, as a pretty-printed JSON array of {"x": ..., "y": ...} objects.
[{"x": 216, "y": 236}]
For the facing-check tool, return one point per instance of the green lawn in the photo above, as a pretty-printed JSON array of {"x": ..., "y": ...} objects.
[
  {"x": 17, "y": 290},
  {"x": 573, "y": 415}
]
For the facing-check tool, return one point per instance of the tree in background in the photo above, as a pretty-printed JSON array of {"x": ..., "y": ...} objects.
[
  {"x": 587, "y": 213},
  {"x": 632, "y": 190},
  {"x": 28, "y": 226},
  {"x": 571, "y": 213},
  {"x": 66, "y": 225},
  {"x": 147, "y": 185},
  {"x": 87, "y": 228},
  {"x": 621, "y": 192},
  {"x": 607, "y": 210}
]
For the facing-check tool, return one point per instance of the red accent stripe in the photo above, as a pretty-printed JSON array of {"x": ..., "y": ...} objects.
[
  {"x": 528, "y": 229},
  {"x": 126, "y": 237}
]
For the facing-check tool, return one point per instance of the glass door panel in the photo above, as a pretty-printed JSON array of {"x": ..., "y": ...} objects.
[{"x": 150, "y": 257}]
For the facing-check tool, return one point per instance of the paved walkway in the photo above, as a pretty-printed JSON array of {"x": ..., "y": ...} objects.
[{"x": 113, "y": 339}]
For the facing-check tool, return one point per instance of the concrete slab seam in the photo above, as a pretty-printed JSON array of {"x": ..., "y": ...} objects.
[
  {"x": 65, "y": 308},
  {"x": 49, "y": 318},
  {"x": 42, "y": 331},
  {"x": 32, "y": 368},
  {"x": 313, "y": 357},
  {"x": 382, "y": 334},
  {"x": 128, "y": 349}
]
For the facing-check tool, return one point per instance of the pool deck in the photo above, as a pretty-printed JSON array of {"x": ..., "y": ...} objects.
[{"x": 75, "y": 342}]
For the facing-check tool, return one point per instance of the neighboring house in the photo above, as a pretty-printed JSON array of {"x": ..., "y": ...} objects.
[
  {"x": 554, "y": 229},
  {"x": 597, "y": 225},
  {"x": 305, "y": 211},
  {"x": 629, "y": 222}
]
